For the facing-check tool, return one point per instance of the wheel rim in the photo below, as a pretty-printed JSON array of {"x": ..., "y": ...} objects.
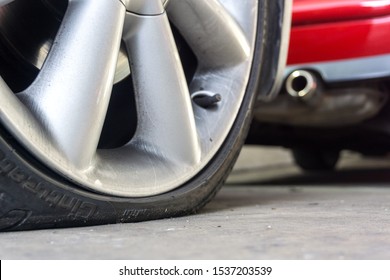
[{"x": 59, "y": 117}]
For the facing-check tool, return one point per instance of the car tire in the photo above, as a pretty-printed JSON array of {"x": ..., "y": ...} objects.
[
  {"x": 316, "y": 159},
  {"x": 46, "y": 183}
]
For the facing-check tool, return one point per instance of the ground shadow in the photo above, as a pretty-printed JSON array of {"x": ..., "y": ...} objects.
[
  {"x": 294, "y": 187},
  {"x": 345, "y": 177}
]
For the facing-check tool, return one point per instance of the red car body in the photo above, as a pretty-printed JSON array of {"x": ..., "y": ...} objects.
[
  {"x": 336, "y": 83},
  {"x": 330, "y": 30},
  {"x": 342, "y": 40}
]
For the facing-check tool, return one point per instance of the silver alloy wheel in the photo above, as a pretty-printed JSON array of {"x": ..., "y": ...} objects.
[{"x": 59, "y": 117}]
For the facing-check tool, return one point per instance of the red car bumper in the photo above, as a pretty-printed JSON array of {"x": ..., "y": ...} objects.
[{"x": 328, "y": 30}]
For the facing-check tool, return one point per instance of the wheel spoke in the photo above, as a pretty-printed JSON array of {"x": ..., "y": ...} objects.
[
  {"x": 166, "y": 123},
  {"x": 215, "y": 36},
  {"x": 5, "y": 2},
  {"x": 71, "y": 93}
]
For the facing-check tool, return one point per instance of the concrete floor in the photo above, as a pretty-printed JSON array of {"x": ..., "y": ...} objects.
[{"x": 268, "y": 210}]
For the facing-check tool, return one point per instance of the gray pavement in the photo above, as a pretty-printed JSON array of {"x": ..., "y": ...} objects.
[{"x": 267, "y": 210}]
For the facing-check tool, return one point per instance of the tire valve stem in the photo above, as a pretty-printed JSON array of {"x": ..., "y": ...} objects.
[{"x": 206, "y": 100}]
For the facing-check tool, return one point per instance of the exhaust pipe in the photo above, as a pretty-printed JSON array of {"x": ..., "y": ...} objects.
[
  {"x": 301, "y": 84},
  {"x": 309, "y": 103}
]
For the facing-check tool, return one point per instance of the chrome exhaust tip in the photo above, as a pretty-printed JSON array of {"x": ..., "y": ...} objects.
[{"x": 301, "y": 84}]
